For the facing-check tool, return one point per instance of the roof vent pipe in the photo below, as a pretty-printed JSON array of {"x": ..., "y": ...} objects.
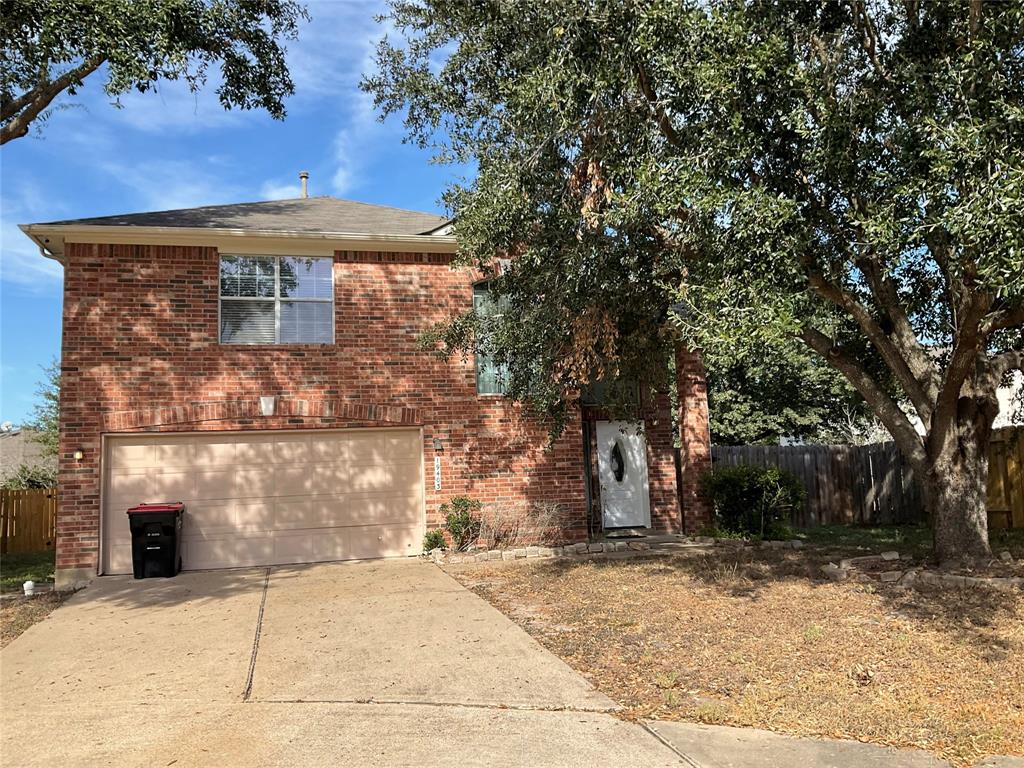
[{"x": 304, "y": 178}]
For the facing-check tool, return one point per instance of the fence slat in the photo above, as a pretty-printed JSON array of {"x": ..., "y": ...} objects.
[
  {"x": 27, "y": 520},
  {"x": 875, "y": 485}
]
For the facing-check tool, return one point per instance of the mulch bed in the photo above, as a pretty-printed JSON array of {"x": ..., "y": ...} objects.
[
  {"x": 18, "y": 614},
  {"x": 760, "y": 639}
]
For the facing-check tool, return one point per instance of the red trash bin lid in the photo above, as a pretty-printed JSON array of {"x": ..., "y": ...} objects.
[{"x": 167, "y": 506}]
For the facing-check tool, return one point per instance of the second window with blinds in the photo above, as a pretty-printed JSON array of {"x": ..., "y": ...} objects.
[{"x": 276, "y": 300}]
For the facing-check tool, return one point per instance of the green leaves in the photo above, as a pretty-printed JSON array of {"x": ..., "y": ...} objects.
[
  {"x": 854, "y": 170},
  {"x": 51, "y": 45}
]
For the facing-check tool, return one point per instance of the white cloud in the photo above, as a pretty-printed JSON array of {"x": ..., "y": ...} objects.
[
  {"x": 21, "y": 263},
  {"x": 172, "y": 108},
  {"x": 273, "y": 190},
  {"x": 345, "y": 163},
  {"x": 168, "y": 184}
]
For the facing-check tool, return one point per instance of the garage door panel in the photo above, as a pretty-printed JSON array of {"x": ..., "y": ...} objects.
[
  {"x": 406, "y": 477},
  {"x": 259, "y": 499},
  {"x": 329, "y": 478},
  {"x": 216, "y": 484},
  {"x": 252, "y": 483},
  {"x": 293, "y": 548},
  {"x": 127, "y": 487},
  {"x": 255, "y": 450},
  {"x": 293, "y": 513},
  {"x": 172, "y": 485},
  {"x": 179, "y": 452},
  {"x": 293, "y": 481},
  {"x": 407, "y": 511},
  {"x": 292, "y": 450},
  {"x": 332, "y": 544},
  {"x": 369, "y": 478},
  {"x": 128, "y": 455},
  {"x": 403, "y": 447},
  {"x": 210, "y": 517},
  {"x": 329, "y": 448}
]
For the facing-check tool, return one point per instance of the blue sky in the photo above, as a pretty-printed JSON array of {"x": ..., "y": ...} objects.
[{"x": 173, "y": 149}]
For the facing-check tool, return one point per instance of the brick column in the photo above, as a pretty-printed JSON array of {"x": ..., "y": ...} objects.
[{"x": 695, "y": 438}]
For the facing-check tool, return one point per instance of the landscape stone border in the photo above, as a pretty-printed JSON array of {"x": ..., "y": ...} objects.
[
  {"x": 651, "y": 546},
  {"x": 898, "y": 576},
  {"x": 907, "y": 577}
]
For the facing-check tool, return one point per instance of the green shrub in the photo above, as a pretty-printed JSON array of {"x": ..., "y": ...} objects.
[
  {"x": 26, "y": 477},
  {"x": 754, "y": 501},
  {"x": 462, "y": 519},
  {"x": 434, "y": 540}
]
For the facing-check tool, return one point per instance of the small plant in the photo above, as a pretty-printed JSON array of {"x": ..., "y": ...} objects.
[
  {"x": 434, "y": 540},
  {"x": 462, "y": 519},
  {"x": 754, "y": 501},
  {"x": 718, "y": 533}
]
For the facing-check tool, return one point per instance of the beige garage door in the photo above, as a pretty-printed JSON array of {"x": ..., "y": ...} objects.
[{"x": 263, "y": 498}]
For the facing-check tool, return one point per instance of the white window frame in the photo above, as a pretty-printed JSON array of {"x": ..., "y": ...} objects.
[{"x": 276, "y": 298}]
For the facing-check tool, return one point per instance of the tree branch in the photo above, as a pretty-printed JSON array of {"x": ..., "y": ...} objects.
[
  {"x": 887, "y": 410},
  {"x": 1007, "y": 318},
  {"x": 905, "y": 339},
  {"x": 969, "y": 341},
  {"x": 892, "y": 356},
  {"x": 1004, "y": 362},
  {"x": 19, "y": 114},
  {"x": 651, "y": 97}
]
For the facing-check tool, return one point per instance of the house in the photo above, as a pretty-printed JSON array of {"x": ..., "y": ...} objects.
[
  {"x": 20, "y": 447},
  {"x": 259, "y": 362}
]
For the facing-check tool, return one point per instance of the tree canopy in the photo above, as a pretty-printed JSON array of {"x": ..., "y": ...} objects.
[
  {"x": 767, "y": 394},
  {"x": 46, "y": 411},
  {"x": 51, "y": 46},
  {"x": 849, "y": 173}
]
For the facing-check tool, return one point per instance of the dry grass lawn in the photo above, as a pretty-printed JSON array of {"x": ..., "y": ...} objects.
[
  {"x": 756, "y": 638},
  {"x": 18, "y": 614}
]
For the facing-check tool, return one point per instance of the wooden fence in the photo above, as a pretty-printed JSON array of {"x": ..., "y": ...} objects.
[
  {"x": 27, "y": 520},
  {"x": 1006, "y": 479},
  {"x": 874, "y": 485}
]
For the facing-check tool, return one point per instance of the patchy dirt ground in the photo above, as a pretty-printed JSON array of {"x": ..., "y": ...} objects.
[
  {"x": 757, "y": 638},
  {"x": 18, "y": 614}
]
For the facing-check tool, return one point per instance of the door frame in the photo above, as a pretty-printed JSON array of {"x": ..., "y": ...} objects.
[
  {"x": 104, "y": 465},
  {"x": 646, "y": 484}
]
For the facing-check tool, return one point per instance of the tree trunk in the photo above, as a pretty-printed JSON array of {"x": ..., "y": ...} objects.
[{"x": 955, "y": 490}]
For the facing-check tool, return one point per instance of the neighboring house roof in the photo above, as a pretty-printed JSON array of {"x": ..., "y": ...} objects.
[
  {"x": 358, "y": 225},
  {"x": 301, "y": 214},
  {"x": 18, "y": 447}
]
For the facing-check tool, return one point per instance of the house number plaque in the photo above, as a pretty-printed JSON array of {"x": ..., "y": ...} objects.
[{"x": 437, "y": 473}]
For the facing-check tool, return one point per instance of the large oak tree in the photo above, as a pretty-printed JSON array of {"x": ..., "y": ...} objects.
[
  {"x": 51, "y": 46},
  {"x": 719, "y": 172}
]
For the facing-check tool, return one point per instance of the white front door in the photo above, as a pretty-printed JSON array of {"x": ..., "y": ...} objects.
[{"x": 622, "y": 470}]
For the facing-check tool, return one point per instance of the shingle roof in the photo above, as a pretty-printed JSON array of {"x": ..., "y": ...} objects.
[{"x": 309, "y": 214}]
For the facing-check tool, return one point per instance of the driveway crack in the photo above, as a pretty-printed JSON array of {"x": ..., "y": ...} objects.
[
  {"x": 682, "y": 755},
  {"x": 256, "y": 638}
]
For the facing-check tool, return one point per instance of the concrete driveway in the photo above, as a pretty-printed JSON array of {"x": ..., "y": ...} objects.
[
  {"x": 389, "y": 663},
  {"x": 383, "y": 663}
]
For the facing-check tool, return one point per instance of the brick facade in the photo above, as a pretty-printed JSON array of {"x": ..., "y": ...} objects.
[{"x": 141, "y": 353}]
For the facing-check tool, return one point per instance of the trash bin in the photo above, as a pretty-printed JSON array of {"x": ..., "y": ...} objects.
[{"x": 156, "y": 539}]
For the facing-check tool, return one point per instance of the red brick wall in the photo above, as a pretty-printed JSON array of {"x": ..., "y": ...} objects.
[
  {"x": 695, "y": 437},
  {"x": 140, "y": 352}
]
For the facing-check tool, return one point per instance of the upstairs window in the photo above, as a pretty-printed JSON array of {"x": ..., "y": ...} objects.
[
  {"x": 276, "y": 300},
  {"x": 490, "y": 377}
]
